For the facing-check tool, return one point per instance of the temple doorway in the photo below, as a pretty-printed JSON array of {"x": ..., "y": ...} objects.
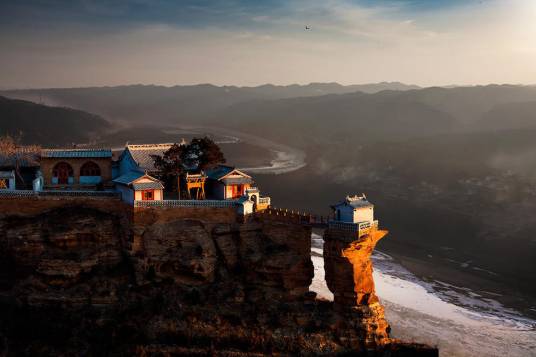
[{"x": 62, "y": 173}]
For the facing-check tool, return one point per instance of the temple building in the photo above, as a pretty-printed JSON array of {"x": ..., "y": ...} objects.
[
  {"x": 226, "y": 182},
  {"x": 76, "y": 168},
  {"x": 132, "y": 174},
  {"x": 137, "y": 186},
  {"x": 355, "y": 212},
  {"x": 354, "y": 209}
]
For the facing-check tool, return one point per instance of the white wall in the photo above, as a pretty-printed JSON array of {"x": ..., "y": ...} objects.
[
  {"x": 350, "y": 215},
  {"x": 245, "y": 208},
  {"x": 158, "y": 195},
  {"x": 364, "y": 214}
]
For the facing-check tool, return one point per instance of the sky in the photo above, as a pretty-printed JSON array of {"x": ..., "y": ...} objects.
[{"x": 80, "y": 43}]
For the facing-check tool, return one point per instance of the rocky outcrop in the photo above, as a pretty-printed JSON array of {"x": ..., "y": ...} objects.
[
  {"x": 348, "y": 270},
  {"x": 93, "y": 278}
]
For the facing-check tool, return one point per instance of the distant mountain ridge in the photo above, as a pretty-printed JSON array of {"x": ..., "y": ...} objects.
[
  {"x": 184, "y": 103},
  {"x": 383, "y": 111},
  {"x": 386, "y": 115},
  {"x": 51, "y": 126}
]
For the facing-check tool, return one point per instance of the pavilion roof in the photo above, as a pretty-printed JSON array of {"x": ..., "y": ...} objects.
[
  {"x": 156, "y": 185},
  {"x": 129, "y": 177},
  {"x": 237, "y": 180},
  {"x": 355, "y": 202},
  {"x": 221, "y": 171}
]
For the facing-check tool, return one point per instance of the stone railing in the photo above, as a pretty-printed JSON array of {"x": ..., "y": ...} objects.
[
  {"x": 343, "y": 226},
  {"x": 17, "y": 193},
  {"x": 350, "y": 230},
  {"x": 281, "y": 214},
  {"x": 186, "y": 203},
  {"x": 57, "y": 193}
]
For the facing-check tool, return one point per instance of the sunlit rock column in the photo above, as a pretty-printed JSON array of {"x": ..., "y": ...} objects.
[{"x": 348, "y": 268}]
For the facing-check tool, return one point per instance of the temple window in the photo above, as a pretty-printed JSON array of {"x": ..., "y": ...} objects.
[
  {"x": 90, "y": 174},
  {"x": 147, "y": 195},
  {"x": 90, "y": 169}
]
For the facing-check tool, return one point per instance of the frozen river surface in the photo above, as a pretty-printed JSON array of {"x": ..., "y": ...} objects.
[{"x": 457, "y": 320}]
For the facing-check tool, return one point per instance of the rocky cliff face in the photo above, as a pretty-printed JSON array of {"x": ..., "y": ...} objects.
[
  {"x": 348, "y": 269},
  {"x": 93, "y": 278}
]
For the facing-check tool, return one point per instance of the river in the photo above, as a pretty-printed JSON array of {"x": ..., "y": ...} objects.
[{"x": 285, "y": 159}]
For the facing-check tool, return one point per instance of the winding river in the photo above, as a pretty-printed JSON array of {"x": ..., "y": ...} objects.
[{"x": 285, "y": 158}]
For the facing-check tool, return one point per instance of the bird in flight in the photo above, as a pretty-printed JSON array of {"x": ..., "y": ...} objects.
[{"x": 307, "y": 27}]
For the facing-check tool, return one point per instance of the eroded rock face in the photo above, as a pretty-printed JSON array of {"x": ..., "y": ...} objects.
[
  {"x": 182, "y": 250},
  {"x": 194, "y": 252},
  {"x": 93, "y": 281},
  {"x": 59, "y": 248},
  {"x": 348, "y": 269}
]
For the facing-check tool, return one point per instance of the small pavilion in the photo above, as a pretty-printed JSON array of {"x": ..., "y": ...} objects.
[
  {"x": 194, "y": 185},
  {"x": 139, "y": 186},
  {"x": 226, "y": 182}
]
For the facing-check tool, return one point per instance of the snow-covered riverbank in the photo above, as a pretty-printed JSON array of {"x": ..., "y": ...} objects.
[{"x": 460, "y": 324}]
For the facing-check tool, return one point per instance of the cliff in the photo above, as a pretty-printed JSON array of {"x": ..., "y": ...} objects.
[
  {"x": 94, "y": 277},
  {"x": 348, "y": 270}
]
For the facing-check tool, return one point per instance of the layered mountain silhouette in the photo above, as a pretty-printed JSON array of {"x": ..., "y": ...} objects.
[
  {"x": 51, "y": 126},
  {"x": 384, "y": 109}
]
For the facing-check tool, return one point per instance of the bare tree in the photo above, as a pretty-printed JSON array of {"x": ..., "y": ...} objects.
[{"x": 15, "y": 154}]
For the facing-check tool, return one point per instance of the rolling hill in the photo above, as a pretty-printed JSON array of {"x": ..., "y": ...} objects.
[{"x": 50, "y": 126}]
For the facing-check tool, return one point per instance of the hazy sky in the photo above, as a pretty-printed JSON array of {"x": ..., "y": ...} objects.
[{"x": 45, "y": 43}]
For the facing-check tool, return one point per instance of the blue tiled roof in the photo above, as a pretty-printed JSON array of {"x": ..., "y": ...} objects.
[
  {"x": 219, "y": 171},
  {"x": 129, "y": 177},
  {"x": 76, "y": 153},
  {"x": 147, "y": 186},
  {"x": 237, "y": 181}
]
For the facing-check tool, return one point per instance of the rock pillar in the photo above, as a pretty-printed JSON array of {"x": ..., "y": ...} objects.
[{"x": 348, "y": 271}]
